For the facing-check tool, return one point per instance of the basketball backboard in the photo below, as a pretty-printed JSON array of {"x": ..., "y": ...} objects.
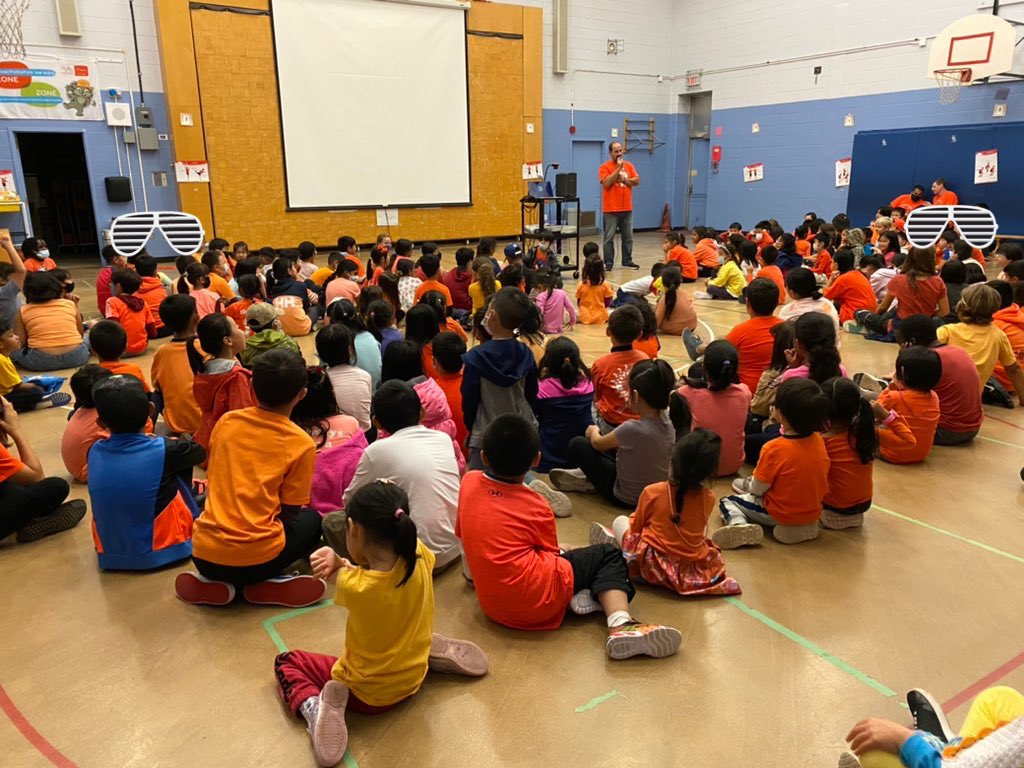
[{"x": 981, "y": 43}]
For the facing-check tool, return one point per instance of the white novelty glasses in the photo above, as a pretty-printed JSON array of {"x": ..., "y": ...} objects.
[
  {"x": 130, "y": 233},
  {"x": 977, "y": 226}
]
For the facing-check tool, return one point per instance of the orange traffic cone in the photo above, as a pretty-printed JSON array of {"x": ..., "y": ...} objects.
[{"x": 666, "y": 220}]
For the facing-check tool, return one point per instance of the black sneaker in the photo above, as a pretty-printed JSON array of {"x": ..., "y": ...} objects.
[
  {"x": 67, "y": 516},
  {"x": 630, "y": 265},
  {"x": 995, "y": 393},
  {"x": 692, "y": 342},
  {"x": 928, "y": 715}
]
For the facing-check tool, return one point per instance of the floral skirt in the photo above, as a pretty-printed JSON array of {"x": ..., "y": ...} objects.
[{"x": 686, "y": 577}]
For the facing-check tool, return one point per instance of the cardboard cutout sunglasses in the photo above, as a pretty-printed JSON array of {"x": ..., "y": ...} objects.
[
  {"x": 977, "y": 226},
  {"x": 130, "y": 233}
]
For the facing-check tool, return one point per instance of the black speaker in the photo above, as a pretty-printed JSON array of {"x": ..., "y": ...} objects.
[
  {"x": 565, "y": 185},
  {"x": 119, "y": 189}
]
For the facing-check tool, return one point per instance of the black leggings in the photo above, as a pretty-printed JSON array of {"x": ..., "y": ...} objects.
[
  {"x": 20, "y": 504},
  {"x": 600, "y": 568},
  {"x": 301, "y": 537},
  {"x": 26, "y": 398},
  {"x": 598, "y": 467}
]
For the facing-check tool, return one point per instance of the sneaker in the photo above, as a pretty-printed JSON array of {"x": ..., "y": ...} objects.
[
  {"x": 67, "y": 516},
  {"x": 849, "y": 760},
  {"x": 736, "y": 536},
  {"x": 852, "y": 326},
  {"x": 995, "y": 393},
  {"x": 456, "y": 657},
  {"x": 692, "y": 342},
  {"x": 794, "y": 534},
  {"x": 860, "y": 314},
  {"x": 56, "y": 400},
  {"x": 636, "y": 639},
  {"x": 741, "y": 485},
  {"x": 192, "y": 588},
  {"x": 928, "y": 715},
  {"x": 702, "y": 295},
  {"x": 571, "y": 481},
  {"x": 630, "y": 265},
  {"x": 329, "y": 733},
  {"x": 289, "y": 591},
  {"x": 583, "y": 603},
  {"x": 558, "y": 501},
  {"x": 837, "y": 522},
  {"x": 870, "y": 383},
  {"x": 602, "y": 534}
]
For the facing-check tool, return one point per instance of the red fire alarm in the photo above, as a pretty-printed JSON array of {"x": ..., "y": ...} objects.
[{"x": 716, "y": 153}]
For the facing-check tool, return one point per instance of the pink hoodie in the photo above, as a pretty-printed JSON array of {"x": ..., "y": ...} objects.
[
  {"x": 553, "y": 308},
  {"x": 437, "y": 415},
  {"x": 333, "y": 473}
]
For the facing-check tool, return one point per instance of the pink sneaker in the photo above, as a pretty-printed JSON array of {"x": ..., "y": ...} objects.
[
  {"x": 289, "y": 591},
  {"x": 329, "y": 733},
  {"x": 456, "y": 657},
  {"x": 643, "y": 640},
  {"x": 192, "y": 588}
]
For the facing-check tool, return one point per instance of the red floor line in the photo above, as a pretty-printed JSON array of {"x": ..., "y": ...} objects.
[
  {"x": 1003, "y": 421},
  {"x": 36, "y": 739},
  {"x": 988, "y": 681}
]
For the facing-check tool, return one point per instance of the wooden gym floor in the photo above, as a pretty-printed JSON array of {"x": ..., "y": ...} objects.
[{"x": 109, "y": 669}]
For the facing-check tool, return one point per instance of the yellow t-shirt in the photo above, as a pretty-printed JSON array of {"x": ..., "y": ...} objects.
[
  {"x": 389, "y": 628},
  {"x": 730, "y": 277},
  {"x": 9, "y": 377},
  {"x": 320, "y": 276},
  {"x": 259, "y": 461},
  {"x": 476, "y": 294},
  {"x": 985, "y": 344}
]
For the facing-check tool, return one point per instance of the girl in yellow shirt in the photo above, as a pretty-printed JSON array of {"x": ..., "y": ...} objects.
[
  {"x": 728, "y": 284},
  {"x": 485, "y": 285},
  {"x": 389, "y": 642}
]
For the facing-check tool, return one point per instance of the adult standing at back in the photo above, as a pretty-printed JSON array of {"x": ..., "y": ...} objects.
[
  {"x": 941, "y": 195},
  {"x": 618, "y": 177},
  {"x": 909, "y": 202}
]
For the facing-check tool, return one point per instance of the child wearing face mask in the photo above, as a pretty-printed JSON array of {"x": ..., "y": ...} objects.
[
  {"x": 37, "y": 255},
  {"x": 544, "y": 255}
]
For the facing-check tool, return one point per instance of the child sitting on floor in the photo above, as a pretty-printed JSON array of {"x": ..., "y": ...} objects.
[
  {"x": 610, "y": 372},
  {"x": 352, "y": 386},
  {"x": 449, "y": 349},
  {"x": 151, "y": 290},
  {"x": 911, "y": 395},
  {"x": 319, "y": 415},
  {"x": 256, "y": 521},
  {"x": 140, "y": 487},
  {"x": 753, "y": 338},
  {"x": 249, "y": 293},
  {"x": 678, "y": 255},
  {"x": 131, "y": 312},
  {"x": 84, "y": 426},
  {"x": 593, "y": 294},
  {"x": 221, "y": 384},
  {"x": 195, "y": 282},
  {"x": 648, "y": 343},
  {"x": 380, "y": 322},
  {"x": 790, "y": 479},
  {"x": 664, "y": 541},
  {"x": 172, "y": 374},
  {"x": 849, "y": 289},
  {"x": 264, "y": 323},
  {"x": 637, "y": 291},
  {"x": 21, "y": 394},
  {"x": 805, "y": 296},
  {"x": 108, "y": 340},
  {"x": 675, "y": 313},
  {"x": 554, "y": 304},
  {"x": 389, "y": 641},
  {"x": 729, "y": 283},
  {"x": 522, "y": 578},
  {"x": 565, "y": 401}
]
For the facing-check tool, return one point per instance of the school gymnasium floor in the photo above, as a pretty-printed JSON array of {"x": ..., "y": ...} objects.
[{"x": 110, "y": 669}]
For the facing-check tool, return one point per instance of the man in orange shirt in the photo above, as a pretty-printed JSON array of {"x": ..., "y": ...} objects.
[
  {"x": 941, "y": 195},
  {"x": 679, "y": 253},
  {"x": 753, "y": 338},
  {"x": 909, "y": 202},
  {"x": 850, "y": 289},
  {"x": 618, "y": 178}
]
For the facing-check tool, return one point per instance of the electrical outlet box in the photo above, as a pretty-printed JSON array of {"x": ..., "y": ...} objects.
[
  {"x": 148, "y": 139},
  {"x": 144, "y": 117},
  {"x": 185, "y": 119},
  {"x": 129, "y": 137},
  {"x": 159, "y": 178},
  {"x": 529, "y": 128}
]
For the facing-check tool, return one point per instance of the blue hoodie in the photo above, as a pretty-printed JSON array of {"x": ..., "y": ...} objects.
[{"x": 500, "y": 376}]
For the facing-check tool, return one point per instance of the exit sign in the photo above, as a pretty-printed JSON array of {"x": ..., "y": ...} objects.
[{"x": 693, "y": 78}]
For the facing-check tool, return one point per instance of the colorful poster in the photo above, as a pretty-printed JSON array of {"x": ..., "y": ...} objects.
[
  {"x": 192, "y": 172},
  {"x": 533, "y": 171},
  {"x": 56, "y": 89},
  {"x": 986, "y": 166},
  {"x": 753, "y": 172},
  {"x": 7, "y": 184},
  {"x": 843, "y": 169}
]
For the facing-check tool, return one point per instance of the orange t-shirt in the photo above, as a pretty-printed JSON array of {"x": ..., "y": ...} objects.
[
  {"x": 451, "y": 385},
  {"x": 706, "y": 253},
  {"x": 774, "y": 274},
  {"x": 653, "y": 521},
  {"x": 796, "y": 468},
  {"x": 133, "y": 321},
  {"x": 946, "y": 198},
  {"x": 803, "y": 249},
  {"x": 433, "y": 285},
  {"x": 259, "y": 462},
  {"x": 753, "y": 341},
  {"x": 618, "y": 198},
  {"x": 10, "y": 465},
  {"x": 592, "y": 300},
  {"x": 850, "y": 482},
  {"x": 1011, "y": 322},
  {"x": 451, "y": 324},
  {"x": 236, "y": 311},
  {"x": 52, "y": 324},
  {"x": 35, "y": 265},
  {"x": 853, "y": 291},
  {"x": 153, "y": 293},
  {"x": 173, "y": 377},
  {"x": 610, "y": 374},
  {"x": 921, "y": 410},
  {"x": 686, "y": 260},
  {"x": 904, "y": 202},
  {"x": 649, "y": 346},
  {"x": 81, "y": 432},
  {"x": 823, "y": 263},
  {"x": 117, "y": 367},
  {"x": 220, "y": 286}
]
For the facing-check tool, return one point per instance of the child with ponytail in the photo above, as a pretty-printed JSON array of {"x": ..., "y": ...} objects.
[
  {"x": 664, "y": 541},
  {"x": 805, "y": 297},
  {"x": 195, "y": 282},
  {"x": 389, "y": 641},
  {"x": 593, "y": 294},
  {"x": 565, "y": 399},
  {"x": 852, "y": 442},
  {"x": 675, "y": 312},
  {"x": 814, "y": 354},
  {"x": 554, "y": 303},
  {"x": 221, "y": 383},
  {"x": 648, "y": 343}
]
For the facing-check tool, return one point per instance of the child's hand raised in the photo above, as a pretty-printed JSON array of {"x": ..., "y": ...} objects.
[
  {"x": 325, "y": 562},
  {"x": 792, "y": 358}
]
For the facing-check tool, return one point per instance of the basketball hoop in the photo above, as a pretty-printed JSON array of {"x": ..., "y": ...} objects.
[
  {"x": 12, "y": 44},
  {"x": 949, "y": 81}
]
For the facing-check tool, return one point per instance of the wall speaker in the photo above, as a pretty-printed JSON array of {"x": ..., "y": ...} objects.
[
  {"x": 565, "y": 185},
  {"x": 119, "y": 189},
  {"x": 560, "y": 32}
]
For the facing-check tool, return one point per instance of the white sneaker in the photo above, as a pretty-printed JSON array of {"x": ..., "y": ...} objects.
[
  {"x": 736, "y": 536},
  {"x": 571, "y": 480},
  {"x": 558, "y": 502},
  {"x": 583, "y": 602},
  {"x": 601, "y": 534},
  {"x": 702, "y": 295},
  {"x": 741, "y": 485}
]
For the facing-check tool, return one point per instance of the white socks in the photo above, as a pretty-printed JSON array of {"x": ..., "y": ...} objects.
[
  {"x": 309, "y": 709},
  {"x": 618, "y": 618}
]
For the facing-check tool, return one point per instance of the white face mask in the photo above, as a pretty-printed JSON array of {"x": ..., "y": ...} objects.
[
  {"x": 43, "y": 254},
  {"x": 759, "y": 237}
]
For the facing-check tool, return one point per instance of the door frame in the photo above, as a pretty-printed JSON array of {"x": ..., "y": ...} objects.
[{"x": 687, "y": 99}]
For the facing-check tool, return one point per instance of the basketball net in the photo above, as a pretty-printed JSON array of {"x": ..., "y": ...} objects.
[
  {"x": 949, "y": 81},
  {"x": 12, "y": 44}
]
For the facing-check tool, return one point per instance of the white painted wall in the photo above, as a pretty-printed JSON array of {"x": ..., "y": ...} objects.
[{"x": 105, "y": 24}]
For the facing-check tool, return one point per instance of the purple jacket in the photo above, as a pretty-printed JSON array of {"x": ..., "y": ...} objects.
[{"x": 553, "y": 308}]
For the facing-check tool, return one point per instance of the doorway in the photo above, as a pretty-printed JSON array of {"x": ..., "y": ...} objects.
[
  {"x": 698, "y": 154},
  {"x": 57, "y": 191},
  {"x": 587, "y": 156}
]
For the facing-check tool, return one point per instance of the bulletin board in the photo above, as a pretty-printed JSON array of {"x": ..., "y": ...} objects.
[{"x": 887, "y": 164}]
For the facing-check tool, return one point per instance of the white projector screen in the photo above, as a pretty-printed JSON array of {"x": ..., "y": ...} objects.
[{"x": 374, "y": 103}]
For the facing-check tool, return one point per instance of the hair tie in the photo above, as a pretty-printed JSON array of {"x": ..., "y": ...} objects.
[
  {"x": 566, "y": 360},
  {"x": 398, "y": 513},
  {"x": 726, "y": 364}
]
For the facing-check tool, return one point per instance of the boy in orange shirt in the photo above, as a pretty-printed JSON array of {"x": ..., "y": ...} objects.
[
  {"x": 1010, "y": 320},
  {"x": 610, "y": 373},
  {"x": 706, "y": 251},
  {"x": 753, "y": 338},
  {"x": 849, "y": 289},
  {"x": 36, "y": 255},
  {"x": 790, "y": 480},
  {"x": 216, "y": 262},
  {"x": 768, "y": 256},
  {"x": 131, "y": 312},
  {"x": 172, "y": 374},
  {"x": 911, "y": 395},
  {"x": 249, "y": 294},
  {"x": 430, "y": 264},
  {"x": 448, "y": 349},
  {"x": 256, "y": 521},
  {"x": 676, "y": 251},
  {"x": 151, "y": 291},
  {"x": 108, "y": 341}
]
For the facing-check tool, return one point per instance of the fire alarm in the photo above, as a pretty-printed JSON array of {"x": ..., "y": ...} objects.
[{"x": 572, "y": 129}]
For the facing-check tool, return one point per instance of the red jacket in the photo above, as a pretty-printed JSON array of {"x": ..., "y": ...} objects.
[
  {"x": 458, "y": 285},
  {"x": 220, "y": 393}
]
